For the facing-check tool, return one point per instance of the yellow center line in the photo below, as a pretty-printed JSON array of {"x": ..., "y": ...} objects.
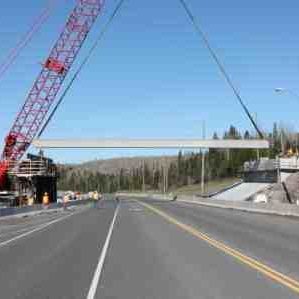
[{"x": 251, "y": 262}]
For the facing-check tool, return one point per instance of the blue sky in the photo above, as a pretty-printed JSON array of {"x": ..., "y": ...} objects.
[{"x": 152, "y": 76}]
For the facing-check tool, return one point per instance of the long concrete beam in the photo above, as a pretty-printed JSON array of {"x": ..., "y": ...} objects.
[{"x": 150, "y": 143}]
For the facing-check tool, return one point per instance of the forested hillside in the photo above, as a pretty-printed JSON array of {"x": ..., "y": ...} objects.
[{"x": 166, "y": 173}]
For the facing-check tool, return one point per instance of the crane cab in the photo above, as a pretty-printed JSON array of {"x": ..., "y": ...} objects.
[{"x": 55, "y": 66}]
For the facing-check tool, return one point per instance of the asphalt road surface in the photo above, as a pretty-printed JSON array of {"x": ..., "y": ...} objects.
[{"x": 149, "y": 249}]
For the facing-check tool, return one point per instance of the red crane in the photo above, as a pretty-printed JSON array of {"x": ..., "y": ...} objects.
[{"x": 49, "y": 82}]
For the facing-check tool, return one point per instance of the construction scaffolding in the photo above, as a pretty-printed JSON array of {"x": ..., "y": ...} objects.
[{"x": 33, "y": 177}]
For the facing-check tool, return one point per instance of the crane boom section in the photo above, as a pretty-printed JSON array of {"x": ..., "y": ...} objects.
[{"x": 50, "y": 79}]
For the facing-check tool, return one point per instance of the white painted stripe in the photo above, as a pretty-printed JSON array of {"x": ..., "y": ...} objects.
[
  {"x": 26, "y": 228},
  {"x": 40, "y": 227},
  {"x": 12, "y": 232},
  {"x": 98, "y": 271}
]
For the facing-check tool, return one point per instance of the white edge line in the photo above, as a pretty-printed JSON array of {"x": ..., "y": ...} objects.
[
  {"x": 5, "y": 234},
  {"x": 40, "y": 227},
  {"x": 98, "y": 271}
]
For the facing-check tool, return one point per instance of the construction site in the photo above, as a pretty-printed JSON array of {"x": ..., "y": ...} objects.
[
  {"x": 34, "y": 176},
  {"x": 29, "y": 179},
  {"x": 168, "y": 169}
]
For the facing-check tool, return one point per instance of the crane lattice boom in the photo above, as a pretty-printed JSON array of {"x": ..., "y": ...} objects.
[{"x": 49, "y": 81}]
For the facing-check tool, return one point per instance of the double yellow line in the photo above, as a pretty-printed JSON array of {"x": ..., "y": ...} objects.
[{"x": 252, "y": 263}]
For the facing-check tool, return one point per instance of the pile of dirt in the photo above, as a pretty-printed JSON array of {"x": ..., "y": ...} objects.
[{"x": 286, "y": 192}]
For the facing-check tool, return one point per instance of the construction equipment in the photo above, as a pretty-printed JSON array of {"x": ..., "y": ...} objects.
[{"x": 49, "y": 82}]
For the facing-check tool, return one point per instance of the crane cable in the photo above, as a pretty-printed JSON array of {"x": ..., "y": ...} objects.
[
  {"x": 84, "y": 62},
  {"x": 220, "y": 65},
  {"x": 26, "y": 38}
]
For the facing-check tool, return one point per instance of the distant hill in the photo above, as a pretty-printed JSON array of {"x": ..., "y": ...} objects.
[{"x": 113, "y": 166}]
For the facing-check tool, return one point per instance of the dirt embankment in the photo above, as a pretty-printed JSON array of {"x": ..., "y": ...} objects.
[{"x": 285, "y": 192}]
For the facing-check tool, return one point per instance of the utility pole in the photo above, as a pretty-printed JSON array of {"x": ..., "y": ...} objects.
[
  {"x": 257, "y": 151},
  {"x": 165, "y": 175},
  {"x": 281, "y": 141},
  {"x": 118, "y": 181},
  {"x": 131, "y": 179},
  {"x": 143, "y": 176},
  {"x": 203, "y": 160},
  {"x": 164, "y": 182},
  {"x": 153, "y": 175}
]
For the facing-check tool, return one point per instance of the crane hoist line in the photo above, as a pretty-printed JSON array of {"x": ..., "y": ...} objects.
[
  {"x": 48, "y": 83},
  {"x": 220, "y": 66},
  {"x": 27, "y": 37}
]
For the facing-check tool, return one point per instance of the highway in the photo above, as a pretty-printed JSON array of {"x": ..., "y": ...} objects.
[{"x": 149, "y": 249}]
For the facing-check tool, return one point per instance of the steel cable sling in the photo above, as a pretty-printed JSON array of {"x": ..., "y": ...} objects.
[{"x": 220, "y": 66}]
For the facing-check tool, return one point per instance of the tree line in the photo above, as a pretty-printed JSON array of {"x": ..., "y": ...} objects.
[{"x": 185, "y": 169}]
